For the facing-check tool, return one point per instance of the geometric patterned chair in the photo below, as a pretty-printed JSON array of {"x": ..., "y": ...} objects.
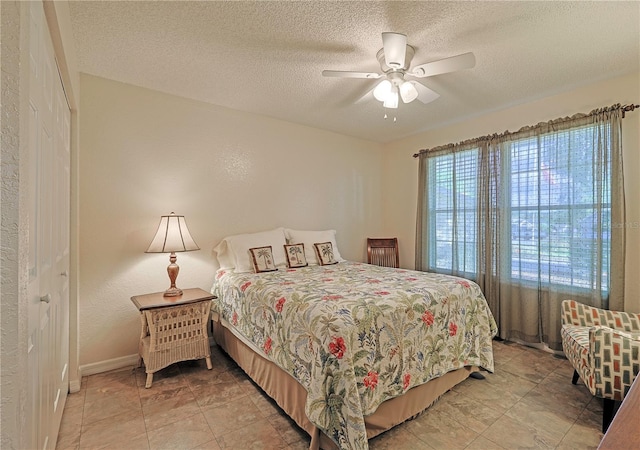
[{"x": 604, "y": 348}]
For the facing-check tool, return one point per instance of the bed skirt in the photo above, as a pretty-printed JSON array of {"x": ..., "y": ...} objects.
[{"x": 291, "y": 395}]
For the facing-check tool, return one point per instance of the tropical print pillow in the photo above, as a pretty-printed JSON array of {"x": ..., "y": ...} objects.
[
  {"x": 324, "y": 253},
  {"x": 262, "y": 258},
  {"x": 295, "y": 255}
]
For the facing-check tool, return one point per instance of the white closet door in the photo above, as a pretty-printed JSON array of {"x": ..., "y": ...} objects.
[{"x": 49, "y": 200}]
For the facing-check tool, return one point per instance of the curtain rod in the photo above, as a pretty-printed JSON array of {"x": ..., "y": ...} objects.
[{"x": 624, "y": 108}]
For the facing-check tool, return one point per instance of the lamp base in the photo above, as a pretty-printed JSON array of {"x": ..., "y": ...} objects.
[
  {"x": 173, "y": 270},
  {"x": 172, "y": 292}
]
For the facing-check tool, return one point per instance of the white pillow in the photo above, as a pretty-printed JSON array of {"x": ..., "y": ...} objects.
[
  {"x": 308, "y": 238},
  {"x": 233, "y": 251},
  {"x": 225, "y": 258}
]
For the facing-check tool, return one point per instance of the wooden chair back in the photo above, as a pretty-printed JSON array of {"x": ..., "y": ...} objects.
[{"x": 383, "y": 252}]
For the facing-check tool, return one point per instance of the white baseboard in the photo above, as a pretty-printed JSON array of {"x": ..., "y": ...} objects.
[{"x": 105, "y": 366}]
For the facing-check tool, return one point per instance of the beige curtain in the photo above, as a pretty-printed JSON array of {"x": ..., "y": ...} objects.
[{"x": 534, "y": 217}]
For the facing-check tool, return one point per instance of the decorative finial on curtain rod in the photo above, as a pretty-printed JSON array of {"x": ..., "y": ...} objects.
[{"x": 627, "y": 108}]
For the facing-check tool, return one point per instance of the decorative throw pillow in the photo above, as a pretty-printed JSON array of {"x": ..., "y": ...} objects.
[
  {"x": 324, "y": 253},
  {"x": 308, "y": 238},
  {"x": 295, "y": 255},
  {"x": 262, "y": 258}
]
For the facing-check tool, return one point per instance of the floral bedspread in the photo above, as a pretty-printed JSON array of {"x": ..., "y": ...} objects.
[{"x": 355, "y": 335}]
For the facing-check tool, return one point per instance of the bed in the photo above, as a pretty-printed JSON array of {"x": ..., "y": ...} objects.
[{"x": 348, "y": 349}]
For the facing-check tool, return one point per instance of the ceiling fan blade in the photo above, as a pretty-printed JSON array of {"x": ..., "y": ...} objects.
[
  {"x": 425, "y": 95},
  {"x": 395, "y": 48},
  {"x": 348, "y": 74},
  {"x": 366, "y": 97},
  {"x": 446, "y": 65}
]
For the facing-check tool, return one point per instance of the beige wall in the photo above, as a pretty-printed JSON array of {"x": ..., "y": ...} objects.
[
  {"x": 144, "y": 154},
  {"x": 400, "y": 192}
]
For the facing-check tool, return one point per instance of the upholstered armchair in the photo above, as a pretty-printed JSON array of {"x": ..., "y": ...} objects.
[{"x": 604, "y": 348}]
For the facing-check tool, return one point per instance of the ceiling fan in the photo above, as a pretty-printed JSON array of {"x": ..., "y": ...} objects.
[{"x": 395, "y": 60}]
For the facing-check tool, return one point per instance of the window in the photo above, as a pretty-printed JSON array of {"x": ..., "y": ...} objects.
[
  {"x": 453, "y": 211},
  {"x": 554, "y": 207},
  {"x": 534, "y": 217}
]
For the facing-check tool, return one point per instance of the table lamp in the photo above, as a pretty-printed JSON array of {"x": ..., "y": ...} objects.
[{"x": 172, "y": 236}]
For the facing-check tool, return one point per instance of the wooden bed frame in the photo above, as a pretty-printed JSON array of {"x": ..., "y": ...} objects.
[{"x": 291, "y": 395}]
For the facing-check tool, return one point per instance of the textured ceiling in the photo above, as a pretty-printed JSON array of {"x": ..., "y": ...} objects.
[{"x": 266, "y": 57}]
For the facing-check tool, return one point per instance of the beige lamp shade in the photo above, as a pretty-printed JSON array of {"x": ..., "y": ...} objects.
[{"x": 172, "y": 236}]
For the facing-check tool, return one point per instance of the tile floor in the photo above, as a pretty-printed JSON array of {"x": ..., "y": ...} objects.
[{"x": 529, "y": 402}]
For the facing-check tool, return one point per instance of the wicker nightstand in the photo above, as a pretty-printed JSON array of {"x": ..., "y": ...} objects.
[{"x": 173, "y": 329}]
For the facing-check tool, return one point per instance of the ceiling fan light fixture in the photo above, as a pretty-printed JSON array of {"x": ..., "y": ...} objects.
[
  {"x": 382, "y": 90},
  {"x": 408, "y": 92},
  {"x": 391, "y": 101}
]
